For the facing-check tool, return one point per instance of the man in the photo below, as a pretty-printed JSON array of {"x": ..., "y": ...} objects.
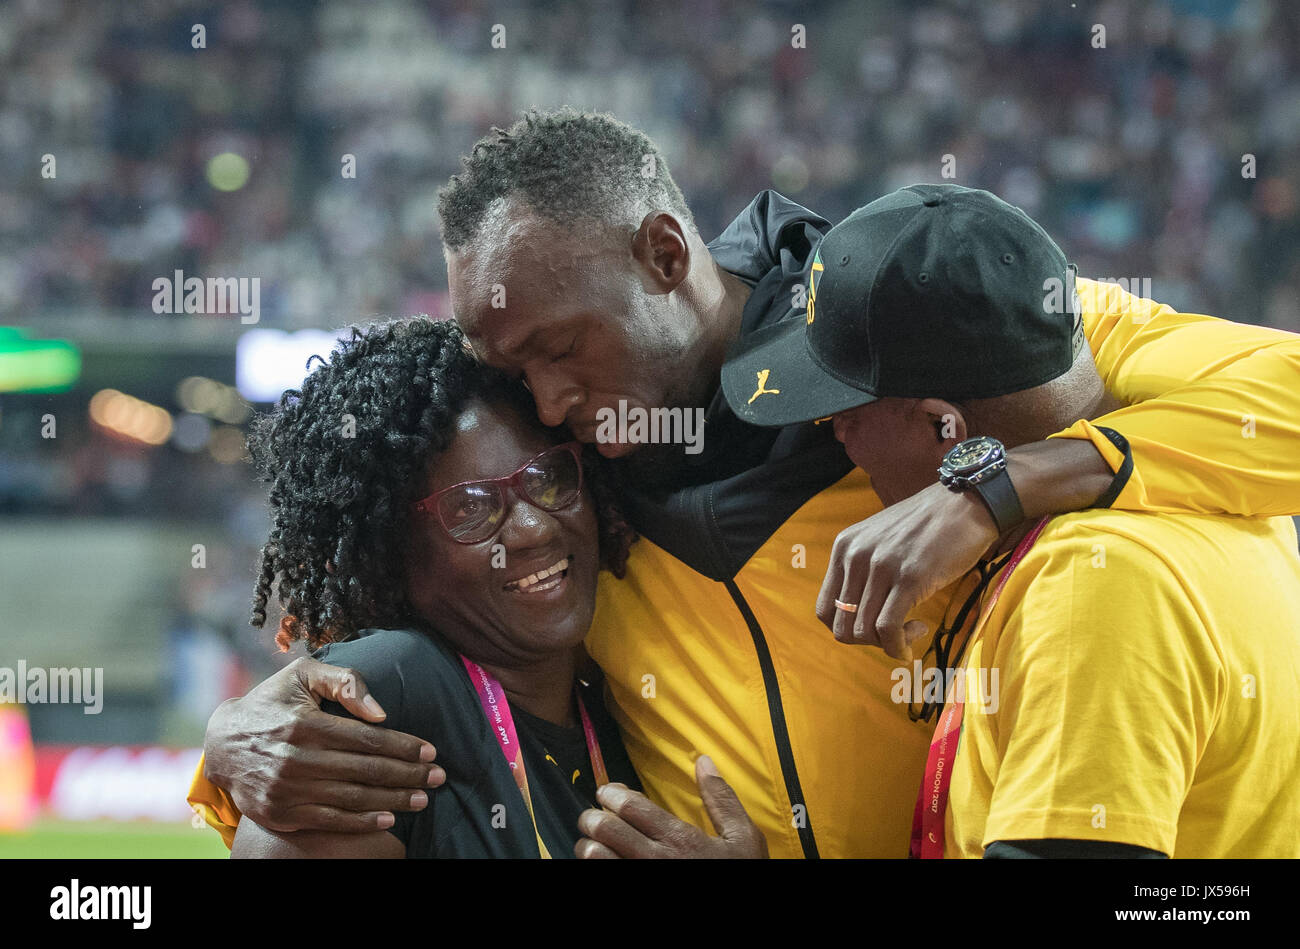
[
  {"x": 1122, "y": 697},
  {"x": 573, "y": 262}
]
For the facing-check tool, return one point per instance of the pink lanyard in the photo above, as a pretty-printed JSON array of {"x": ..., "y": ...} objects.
[
  {"x": 932, "y": 801},
  {"x": 497, "y": 710}
]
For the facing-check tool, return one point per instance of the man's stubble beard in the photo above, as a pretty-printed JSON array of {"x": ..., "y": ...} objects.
[
  {"x": 655, "y": 465},
  {"x": 663, "y": 464}
]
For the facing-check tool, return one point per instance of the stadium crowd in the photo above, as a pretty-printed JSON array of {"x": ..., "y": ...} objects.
[{"x": 1131, "y": 154}]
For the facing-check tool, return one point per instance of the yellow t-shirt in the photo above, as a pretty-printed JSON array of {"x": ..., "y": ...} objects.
[{"x": 1145, "y": 689}]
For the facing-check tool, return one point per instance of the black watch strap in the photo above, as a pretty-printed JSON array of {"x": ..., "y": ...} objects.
[{"x": 1003, "y": 503}]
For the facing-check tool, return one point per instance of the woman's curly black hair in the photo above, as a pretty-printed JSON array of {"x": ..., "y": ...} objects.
[{"x": 347, "y": 454}]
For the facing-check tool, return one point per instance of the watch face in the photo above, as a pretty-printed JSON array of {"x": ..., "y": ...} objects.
[{"x": 972, "y": 453}]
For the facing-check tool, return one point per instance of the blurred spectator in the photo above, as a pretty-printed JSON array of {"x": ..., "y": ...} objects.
[{"x": 1132, "y": 154}]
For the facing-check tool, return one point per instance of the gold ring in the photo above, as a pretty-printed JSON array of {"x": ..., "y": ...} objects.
[{"x": 846, "y": 607}]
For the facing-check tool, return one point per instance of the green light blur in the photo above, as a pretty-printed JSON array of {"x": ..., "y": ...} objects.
[{"x": 36, "y": 365}]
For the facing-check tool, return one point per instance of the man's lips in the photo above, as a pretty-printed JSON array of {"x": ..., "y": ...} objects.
[
  {"x": 584, "y": 428},
  {"x": 586, "y": 433}
]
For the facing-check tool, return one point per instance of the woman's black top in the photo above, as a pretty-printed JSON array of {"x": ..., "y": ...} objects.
[{"x": 424, "y": 687}]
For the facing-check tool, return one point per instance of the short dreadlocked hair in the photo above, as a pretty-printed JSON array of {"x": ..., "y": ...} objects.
[
  {"x": 568, "y": 165},
  {"x": 345, "y": 456}
]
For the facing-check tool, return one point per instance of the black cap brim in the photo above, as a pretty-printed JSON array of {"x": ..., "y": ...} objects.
[{"x": 795, "y": 389}]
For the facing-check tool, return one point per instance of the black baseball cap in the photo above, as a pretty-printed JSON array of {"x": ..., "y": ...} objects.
[{"x": 933, "y": 290}]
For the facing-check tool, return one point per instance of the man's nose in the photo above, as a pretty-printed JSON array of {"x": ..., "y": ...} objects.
[{"x": 555, "y": 396}]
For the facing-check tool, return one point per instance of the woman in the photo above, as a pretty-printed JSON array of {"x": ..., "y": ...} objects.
[{"x": 431, "y": 535}]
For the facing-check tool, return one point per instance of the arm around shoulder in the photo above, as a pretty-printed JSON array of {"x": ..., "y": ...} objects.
[
  {"x": 252, "y": 841},
  {"x": 1211, "y": 422}
]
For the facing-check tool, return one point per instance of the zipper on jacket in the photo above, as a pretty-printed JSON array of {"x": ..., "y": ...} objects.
[{"x": 780, "y": 731}]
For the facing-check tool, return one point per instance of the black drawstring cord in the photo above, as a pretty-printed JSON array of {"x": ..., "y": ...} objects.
[{"x": 942, "y": 643}]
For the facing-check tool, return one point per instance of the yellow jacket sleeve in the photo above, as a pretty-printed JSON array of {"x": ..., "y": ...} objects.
[
  {"x": 1212, "y": 408},
  {"x": 214, "y": 806}
]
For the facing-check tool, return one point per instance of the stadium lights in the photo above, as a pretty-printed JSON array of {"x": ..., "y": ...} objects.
[
  {"x": 126, "y": 416},
  {"x": 202, "y": 396},
  {"x": 226, "y": 445},
  {"x": 268, "y": 361},
  {"x": 36, "y": 365}
]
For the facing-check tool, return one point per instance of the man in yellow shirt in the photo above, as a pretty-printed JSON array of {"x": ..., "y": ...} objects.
[
  {"x": 572, "y": 269},
  {"x": 1131, "y": 690}
]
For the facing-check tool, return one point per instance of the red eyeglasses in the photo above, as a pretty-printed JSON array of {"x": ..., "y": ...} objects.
[{"x": 473, "y": 511}]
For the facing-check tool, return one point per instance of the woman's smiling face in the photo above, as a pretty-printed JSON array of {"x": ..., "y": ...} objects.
[{"x": 472, "y": 593}]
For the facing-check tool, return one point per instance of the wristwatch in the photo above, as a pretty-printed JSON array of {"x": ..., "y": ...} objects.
[{"x": 980, "y": 464}]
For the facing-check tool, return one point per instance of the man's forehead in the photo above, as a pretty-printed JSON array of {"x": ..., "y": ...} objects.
[
  {"x": 516, "y": 243},
  {"x": 520, "y": 274}
]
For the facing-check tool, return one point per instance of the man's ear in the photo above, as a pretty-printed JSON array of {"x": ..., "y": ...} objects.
[
  {"x": 948, "y": 421},
  {"x": 662, "y": 249}
]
